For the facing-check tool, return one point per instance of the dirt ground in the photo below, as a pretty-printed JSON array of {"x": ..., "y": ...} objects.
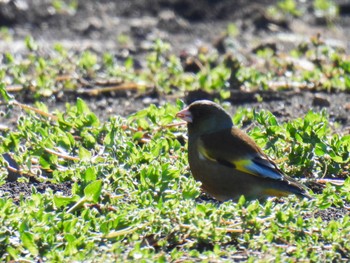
[{"x": 187, "y": 25}]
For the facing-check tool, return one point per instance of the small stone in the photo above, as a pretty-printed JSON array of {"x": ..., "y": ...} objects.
[
  {"x": 347, "y": 106},
  {"x": 149, "y": 100},
  {"x": 321, "y": 100},
  {"x": 168, "y": 21}
]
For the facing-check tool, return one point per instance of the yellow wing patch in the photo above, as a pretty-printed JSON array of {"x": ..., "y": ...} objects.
[
  {"x": 247, "y": 166},
  {"x": 240, "y": 165},
  {"x": 203, "y": 153}
]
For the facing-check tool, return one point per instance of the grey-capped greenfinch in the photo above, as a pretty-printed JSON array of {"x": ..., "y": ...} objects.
[{"x": 227, "y": 161}]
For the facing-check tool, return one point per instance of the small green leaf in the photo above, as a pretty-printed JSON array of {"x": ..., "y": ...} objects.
[
  {"x": 82, "y": 107},
  {"x": 12, "y": 252},
  {"x": 29, "y": 242},
  {"x": 90, "y": 174},
  {"x": 7, "y": 97},
  {"x": 31, "y": 44},
  {"x": 60, "y": 201},
  {"x": 92, "y": 192},
  {"x": 84, "y": 154},
  {"x": 241, "y": 201},
  {"x": 137, "y": 135},
  {"x": 320, "y": 149}
]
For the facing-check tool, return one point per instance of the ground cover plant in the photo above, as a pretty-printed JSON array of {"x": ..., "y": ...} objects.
[
  {"x": 132, "y": 196},
  {"x": 78, "y": 184}
]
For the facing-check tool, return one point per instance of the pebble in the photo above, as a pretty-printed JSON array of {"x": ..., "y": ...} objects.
[{"x": 321, "y": 100}]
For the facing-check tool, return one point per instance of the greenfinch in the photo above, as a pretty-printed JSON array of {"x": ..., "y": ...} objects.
[{"x": 227, "y": 161}]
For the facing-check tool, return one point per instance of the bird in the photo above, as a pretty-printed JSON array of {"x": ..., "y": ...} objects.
[{"x": 227, "y": 161}]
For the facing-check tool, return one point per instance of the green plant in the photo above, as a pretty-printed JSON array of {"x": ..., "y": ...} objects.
[{"x": 131, "y": 186}]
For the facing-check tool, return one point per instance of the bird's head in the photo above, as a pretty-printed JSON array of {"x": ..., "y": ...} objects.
[{"x": 204, "y": 116}]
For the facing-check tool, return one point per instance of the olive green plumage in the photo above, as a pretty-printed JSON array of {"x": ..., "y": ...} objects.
[{"x": 227, "y": 161}]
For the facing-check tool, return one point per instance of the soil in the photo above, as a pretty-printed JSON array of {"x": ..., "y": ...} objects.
[{"x": 187, "y": 25}]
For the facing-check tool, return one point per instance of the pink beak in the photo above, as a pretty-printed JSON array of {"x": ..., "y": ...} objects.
[{"x": 185, "y": 114}]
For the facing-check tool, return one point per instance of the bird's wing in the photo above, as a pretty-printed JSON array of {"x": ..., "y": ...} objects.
[{"x": 235, "y": 149}]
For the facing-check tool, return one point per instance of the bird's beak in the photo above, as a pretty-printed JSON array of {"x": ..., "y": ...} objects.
[{"x": 185, "y": 114}]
